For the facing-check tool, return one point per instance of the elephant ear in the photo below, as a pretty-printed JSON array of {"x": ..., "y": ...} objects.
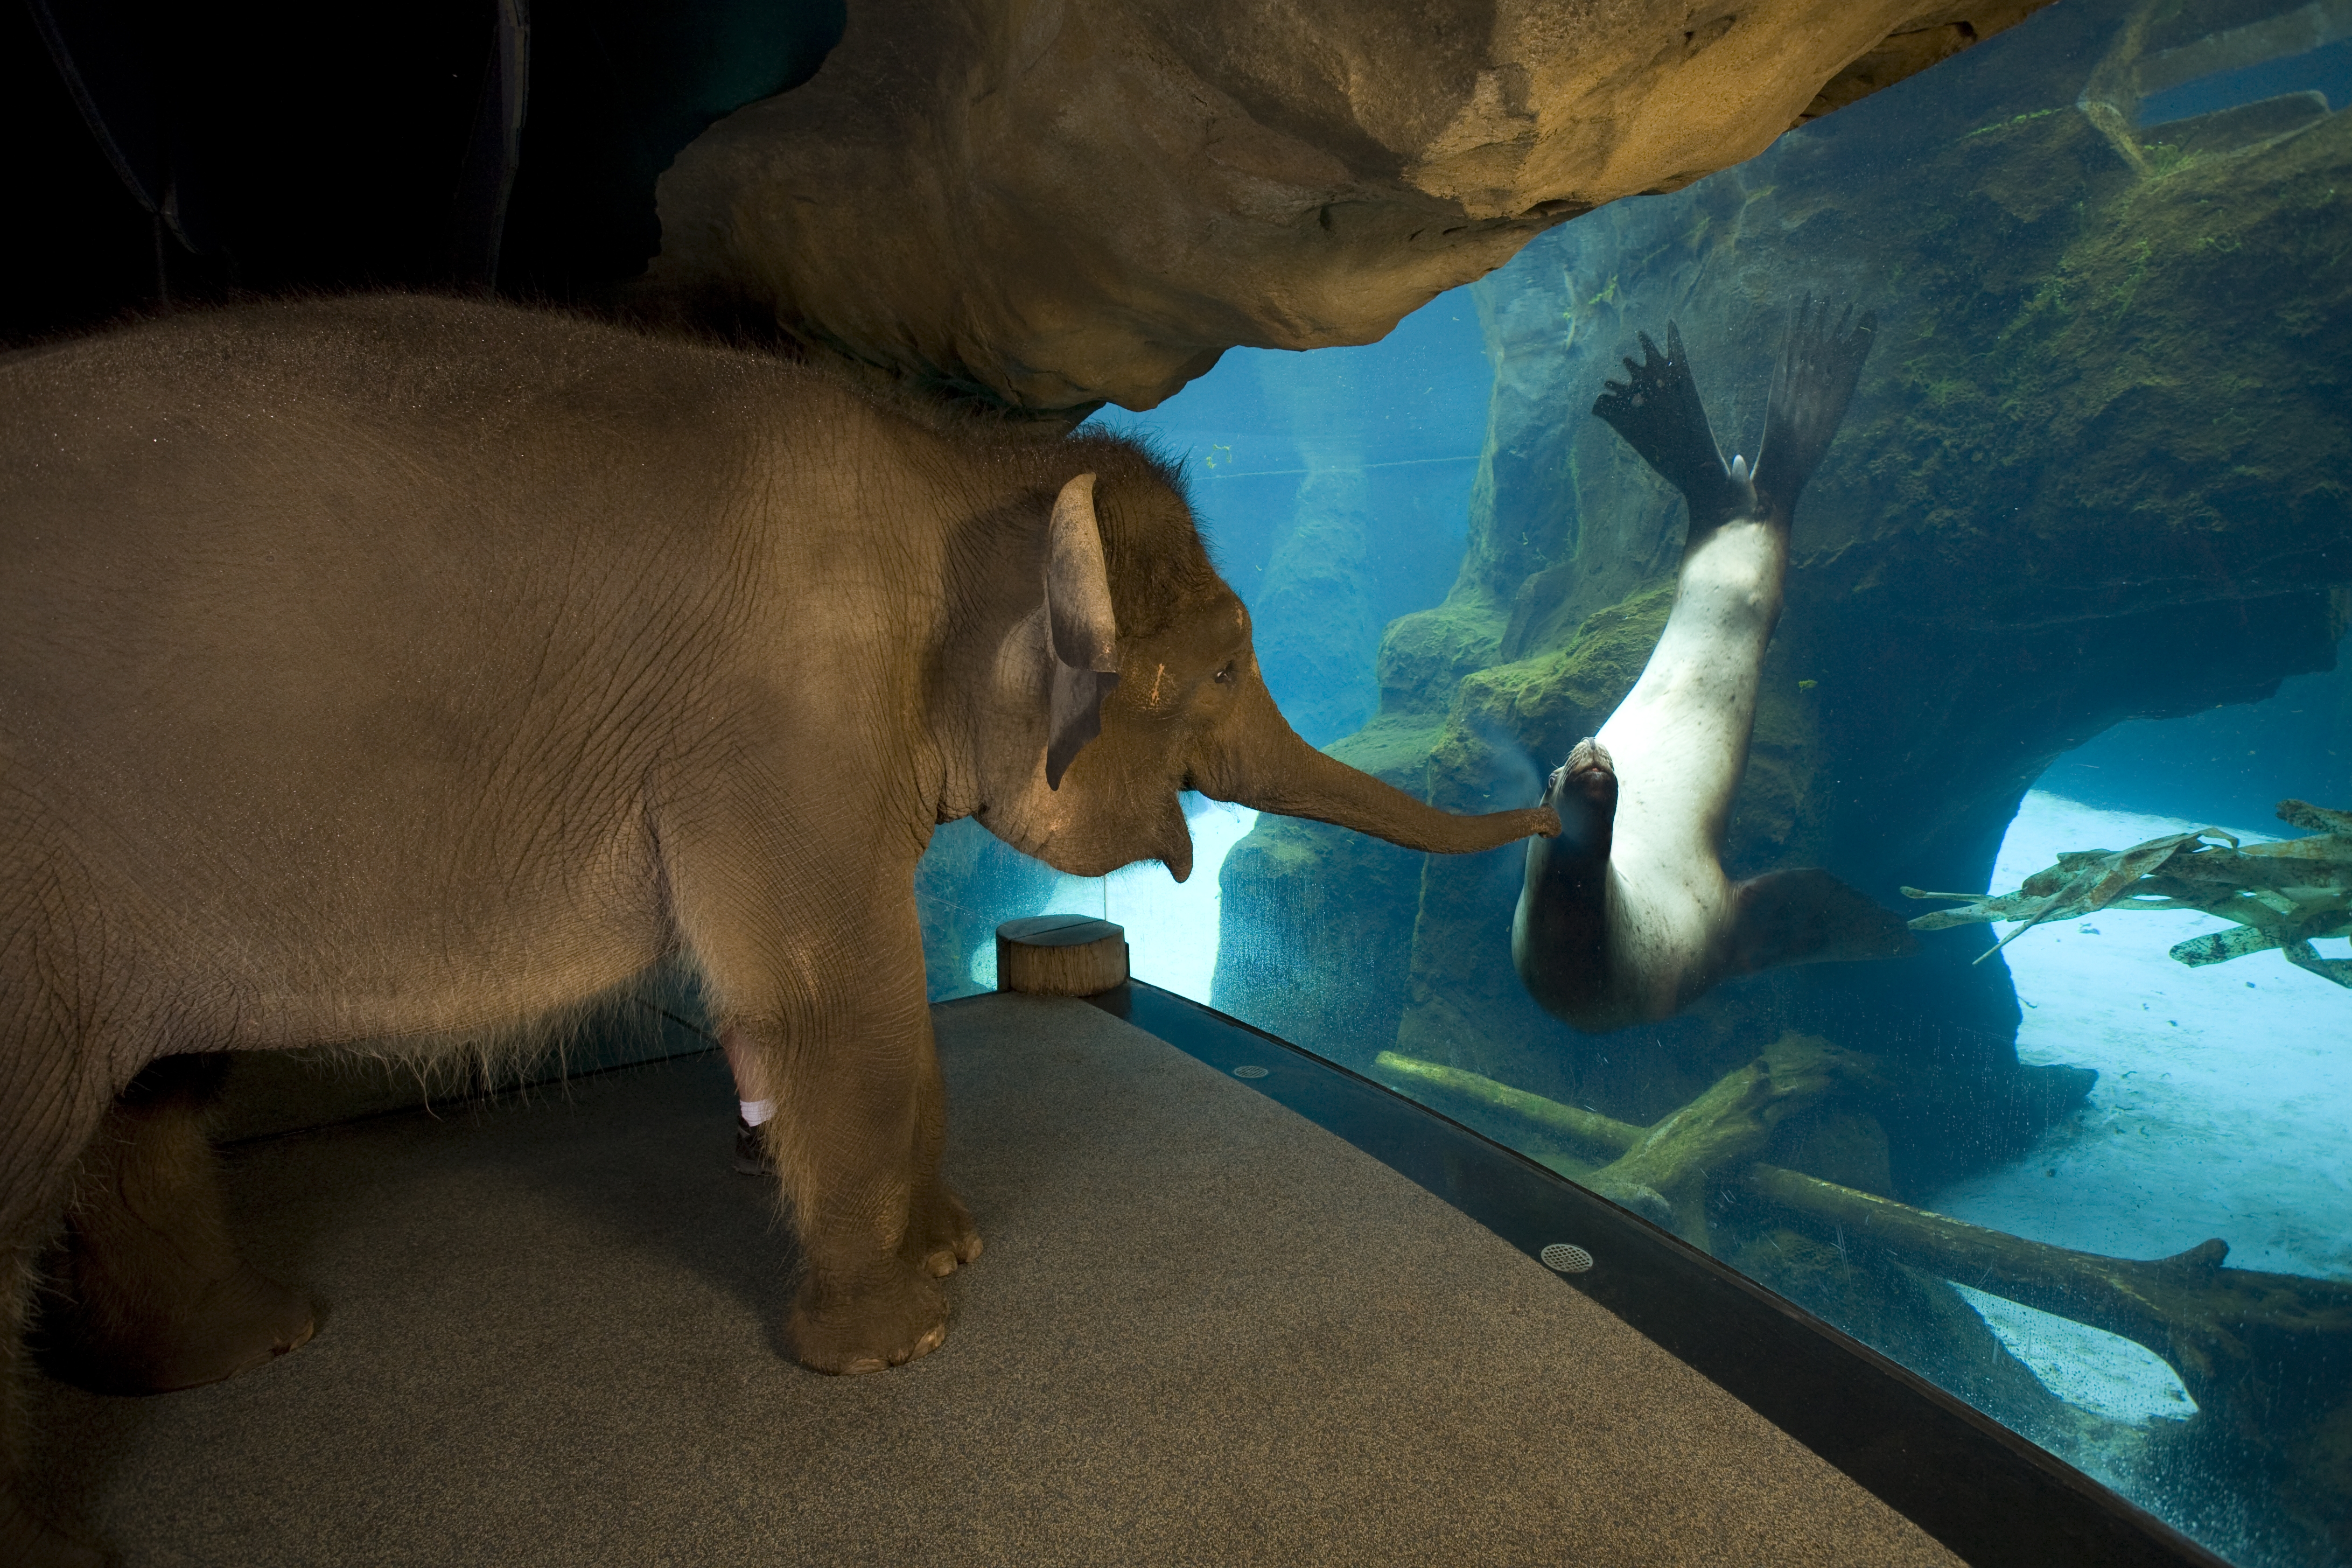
[{"x": 1080, "y": 626}]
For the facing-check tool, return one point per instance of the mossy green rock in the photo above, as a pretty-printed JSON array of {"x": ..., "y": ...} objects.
[
  {"x": 2097, "y": 469},
  {"x": 1311, "y": 912}
]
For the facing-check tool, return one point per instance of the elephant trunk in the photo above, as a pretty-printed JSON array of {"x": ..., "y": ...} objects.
[{"x": 1255, "y": 759}]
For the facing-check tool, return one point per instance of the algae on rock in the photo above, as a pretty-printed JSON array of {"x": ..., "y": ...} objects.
[{"x": 2074, "y": 487}]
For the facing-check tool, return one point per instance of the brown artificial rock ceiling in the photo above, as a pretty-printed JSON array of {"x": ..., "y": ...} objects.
[{"x": 1049, "y": 205}]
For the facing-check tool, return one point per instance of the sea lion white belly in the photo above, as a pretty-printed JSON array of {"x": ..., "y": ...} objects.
[{"x": 1627, "y": 915}]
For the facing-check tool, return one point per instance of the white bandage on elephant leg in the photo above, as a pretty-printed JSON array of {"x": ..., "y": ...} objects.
[{"x": 749, "y": 1071}]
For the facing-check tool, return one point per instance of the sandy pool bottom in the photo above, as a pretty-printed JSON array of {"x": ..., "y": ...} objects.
[{"x": 2221, "y": 1110}]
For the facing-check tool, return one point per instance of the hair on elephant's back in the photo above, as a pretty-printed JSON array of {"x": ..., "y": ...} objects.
[{"x": 417, "y": 357}]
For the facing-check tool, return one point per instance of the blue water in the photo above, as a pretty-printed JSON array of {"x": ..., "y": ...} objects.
[
  {"x": 2327, "y": 70},
  {"x": 1347, "y": 490},
  {"x": 1333, "y": 487}
]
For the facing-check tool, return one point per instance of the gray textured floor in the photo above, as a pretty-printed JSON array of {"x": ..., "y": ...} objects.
[{"x": 1204, "y": 1331}]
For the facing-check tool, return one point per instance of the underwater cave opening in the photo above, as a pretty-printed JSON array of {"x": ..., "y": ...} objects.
[
  {"x": 2223, "y": 1090},
  {"x": 2228, "y": 766}
]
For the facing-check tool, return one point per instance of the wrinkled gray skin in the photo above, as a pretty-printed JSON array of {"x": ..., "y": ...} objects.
[{"x": 397, "y": 666}]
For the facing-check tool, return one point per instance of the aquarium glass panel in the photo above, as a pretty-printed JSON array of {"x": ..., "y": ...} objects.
[{"x": 1968, "y": 962}]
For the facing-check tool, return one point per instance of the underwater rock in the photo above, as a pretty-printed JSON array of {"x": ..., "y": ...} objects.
[
  {"x": 2071, "y": 490},
  {"x": 1047, "y": 206},
  {"x": 1321, "y": 637}
]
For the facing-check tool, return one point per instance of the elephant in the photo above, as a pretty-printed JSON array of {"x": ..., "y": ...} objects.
[{"x": 410, "y": 667}]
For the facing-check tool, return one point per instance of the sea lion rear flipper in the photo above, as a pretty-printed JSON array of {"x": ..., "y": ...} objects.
[
  {"x": 1810, "y": 917},
  {"x": 1811, "y": 387},
  {"x": 1657, "y": 410}
]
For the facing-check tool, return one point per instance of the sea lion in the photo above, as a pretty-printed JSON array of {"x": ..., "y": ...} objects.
[{"x": 1627, "y": 917}]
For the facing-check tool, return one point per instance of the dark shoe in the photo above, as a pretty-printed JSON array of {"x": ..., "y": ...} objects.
[{"x": 751, "y": 1151}]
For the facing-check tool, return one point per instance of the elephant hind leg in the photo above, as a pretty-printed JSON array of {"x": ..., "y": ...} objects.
[
  {"x": 151, "y": 1294},
  {"x": 50, "y": 1103}
]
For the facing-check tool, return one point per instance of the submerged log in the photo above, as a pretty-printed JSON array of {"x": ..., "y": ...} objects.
[
  {"x": 1661, "y": 1172},
  {"x": 2260, "y": 1349},
  {"x": 1663, "y": 1177},
  {"x": 2284, "y": 894},
  {"x": 2268, "y": 1356},
  {"x": 1584, "y": 1126}
]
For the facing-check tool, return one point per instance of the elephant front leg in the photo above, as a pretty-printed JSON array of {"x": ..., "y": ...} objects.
[
  {"x": 875, "y": 1228},
  {"x": 941, "y": 1234},
  {"x": 942, "y": 1237}
]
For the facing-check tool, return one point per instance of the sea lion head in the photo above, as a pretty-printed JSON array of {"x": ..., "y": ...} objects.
[{"x": 1583, "y": 791}]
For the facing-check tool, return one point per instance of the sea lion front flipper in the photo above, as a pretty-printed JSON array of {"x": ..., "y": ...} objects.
[
  {"x": 1657, "y": 410},
  {"x": 1811, "y": 387},
  {"x": 1810, "y": 917}
]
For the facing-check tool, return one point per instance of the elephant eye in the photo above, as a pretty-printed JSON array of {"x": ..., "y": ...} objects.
[{"x": 1225, "y": 676}]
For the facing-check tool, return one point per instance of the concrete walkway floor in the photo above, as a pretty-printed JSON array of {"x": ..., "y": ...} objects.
[{"x": 1204, "y": 1331}]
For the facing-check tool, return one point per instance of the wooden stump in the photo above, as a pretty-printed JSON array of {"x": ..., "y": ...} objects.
[{"x": 1060, "y": 955}]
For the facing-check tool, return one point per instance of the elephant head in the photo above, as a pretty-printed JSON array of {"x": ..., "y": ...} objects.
[{"x": 1138, "y": 668}]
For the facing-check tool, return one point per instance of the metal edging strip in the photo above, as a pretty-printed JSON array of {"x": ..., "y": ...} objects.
[{"x": 1988, "y": 1495}]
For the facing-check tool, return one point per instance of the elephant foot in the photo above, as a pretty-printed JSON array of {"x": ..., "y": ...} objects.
[
  {"x": 28, "y": 1541},
  {"x": 888, "y": 1321},
  {"x": 151, "y": 1295},
  {"x": 943, "y": 1236},
  {"x": 246, "y": 1321},
  {"x": 237, "y": 1322}
]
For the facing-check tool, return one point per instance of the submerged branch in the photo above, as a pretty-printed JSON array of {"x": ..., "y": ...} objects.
[
  {"x": 1584, "y": 1126},
  {"x": 2229, "y": 1333},
  {"x": 1660, "y": 1172},
  {"x": 2283, "y": 895},
  {"x": 1663, "y": 1177},
  {"x": 2263, "y": 1348}
]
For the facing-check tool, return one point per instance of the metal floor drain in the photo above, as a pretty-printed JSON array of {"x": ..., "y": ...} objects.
[
  {"x": 1249, "y": 1072},
  {"x": 1563, "y": 1257}
]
